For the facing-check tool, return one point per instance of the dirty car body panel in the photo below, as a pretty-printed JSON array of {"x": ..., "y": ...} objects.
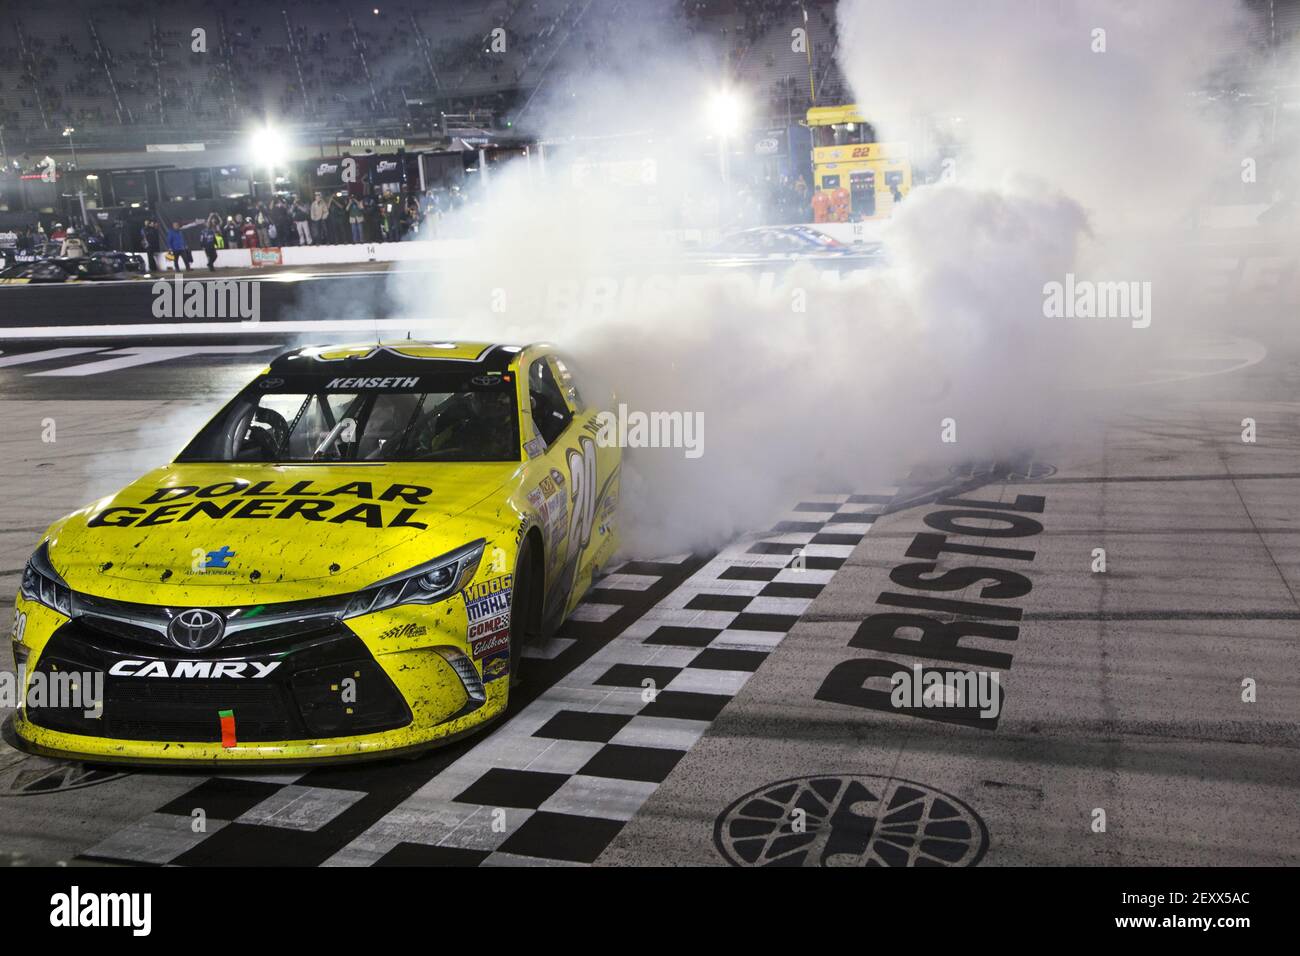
[{"x": 327, "y": 571}]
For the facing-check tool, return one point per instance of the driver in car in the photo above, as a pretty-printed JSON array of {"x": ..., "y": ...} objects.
[{"x": 477, "y": 426}]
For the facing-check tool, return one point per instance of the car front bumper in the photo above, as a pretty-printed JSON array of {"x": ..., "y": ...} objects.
[{"x": 379, "y": 685}]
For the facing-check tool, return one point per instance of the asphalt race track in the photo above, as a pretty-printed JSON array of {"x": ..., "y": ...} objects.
[
  {"x": 1121, "y": 691},
  {"x": 284, "y": 294}
]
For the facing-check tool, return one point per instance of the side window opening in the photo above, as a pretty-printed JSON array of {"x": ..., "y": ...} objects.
[
  {"x": 551, "y": 415},
  {"x": 567, "y": 383}
]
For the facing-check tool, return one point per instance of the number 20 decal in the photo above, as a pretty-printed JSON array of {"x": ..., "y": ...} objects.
[{"x": 582, "y": 475}]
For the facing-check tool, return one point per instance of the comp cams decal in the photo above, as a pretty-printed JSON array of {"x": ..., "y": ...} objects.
[
  {"x": 914, "y": 608},
  {"x": 303, "y": 500}
]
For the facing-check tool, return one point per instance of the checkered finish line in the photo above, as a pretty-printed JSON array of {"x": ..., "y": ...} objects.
[{"x": 637, "y": 675}]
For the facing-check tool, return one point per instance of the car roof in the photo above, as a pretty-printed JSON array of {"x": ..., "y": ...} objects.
[{"x": 401, "y": 357}]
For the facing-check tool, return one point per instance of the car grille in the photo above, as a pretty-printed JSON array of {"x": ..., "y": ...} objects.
[
  {"x": 245, "y": 626},
  {"x": 301, "y": 699}
]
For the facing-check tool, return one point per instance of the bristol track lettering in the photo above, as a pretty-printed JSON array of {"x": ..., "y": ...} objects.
[{"x": 915, "y": 609}]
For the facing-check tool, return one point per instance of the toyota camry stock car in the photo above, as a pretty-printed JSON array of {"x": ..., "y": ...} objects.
[{"x": 345, "y": 561}]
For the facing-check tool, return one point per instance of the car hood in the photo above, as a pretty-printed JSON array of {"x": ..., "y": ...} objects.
[{"x": 283, "y": 531}]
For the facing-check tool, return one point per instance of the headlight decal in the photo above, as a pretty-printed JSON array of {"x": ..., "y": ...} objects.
[
  {"x": 42, "y": 584},
  {"x": 426, "y": 583}
]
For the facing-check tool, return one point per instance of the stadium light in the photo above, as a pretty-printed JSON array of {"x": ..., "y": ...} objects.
[
  {"x": 68, "y": 131},
  {"x": 726, "y": 110},
  {"x": 268, "y": 147}
]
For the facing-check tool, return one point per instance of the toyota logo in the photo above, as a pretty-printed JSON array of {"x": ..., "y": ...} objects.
[{"x": 196, "y": 629}]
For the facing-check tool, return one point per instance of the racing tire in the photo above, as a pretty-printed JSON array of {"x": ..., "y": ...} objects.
[{"x": 523, "y": 606}]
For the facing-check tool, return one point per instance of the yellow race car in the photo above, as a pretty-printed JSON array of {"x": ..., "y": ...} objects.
[{"x": 344, "y": 562}]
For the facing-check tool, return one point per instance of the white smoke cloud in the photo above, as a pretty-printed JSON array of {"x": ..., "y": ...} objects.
[
  {"x": 1095, "y": 97},
  {"x": 1076, "y": 161}
]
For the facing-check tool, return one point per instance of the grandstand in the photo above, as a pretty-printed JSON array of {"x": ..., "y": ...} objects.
[
  {"x": 115, "y": 68},
  {"x": 110, "y": 68},
  {"x": 131, "y": 101}
]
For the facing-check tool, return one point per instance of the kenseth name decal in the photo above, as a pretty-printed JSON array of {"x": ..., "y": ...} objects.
[
  {"x": 391, "y": 382},
  {"x": 937, "y": 638},
  {"x": 262, "y": 500}
]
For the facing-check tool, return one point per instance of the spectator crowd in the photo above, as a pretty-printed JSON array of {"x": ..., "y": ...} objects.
[{"x": 326, "y": 218}]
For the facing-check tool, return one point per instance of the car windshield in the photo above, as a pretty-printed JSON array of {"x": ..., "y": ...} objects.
[{"x": 332, "y": 418}]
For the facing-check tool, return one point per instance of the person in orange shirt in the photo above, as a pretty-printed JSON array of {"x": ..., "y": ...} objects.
[
  {"x": 821, "y": 206},
  {"x": 840, "y": 205}
]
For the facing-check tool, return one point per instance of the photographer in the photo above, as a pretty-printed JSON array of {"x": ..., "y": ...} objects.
[
  {"x": 300, "y": 218},
  {"x": 208, "y": 240},
  {"x": 320, "y": 210},
  {"x": 180, "y": 248}
]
